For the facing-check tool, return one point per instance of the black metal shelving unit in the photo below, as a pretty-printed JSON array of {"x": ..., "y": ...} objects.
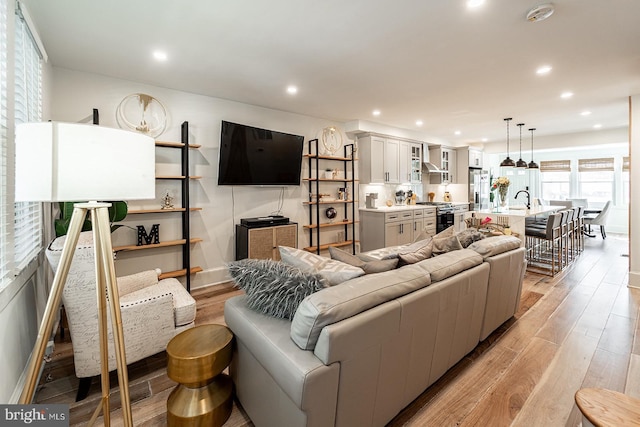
[{"x": 315, "y": 227}]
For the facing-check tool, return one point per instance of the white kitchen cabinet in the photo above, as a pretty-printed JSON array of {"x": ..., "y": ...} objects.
[
  {"x": 445, "y": 159},
  {"x": 458, "y": 216},
  {"x": 379, "y": 160},
  {"x": 382, "y": 228},
  {"x": 475, "y": 158},
  {"x": 410, "y": 162}
]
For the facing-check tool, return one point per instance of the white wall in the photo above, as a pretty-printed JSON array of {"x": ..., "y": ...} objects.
[
  {"x": 634, "y": 205},
  {"x": 75, "y": 94}
]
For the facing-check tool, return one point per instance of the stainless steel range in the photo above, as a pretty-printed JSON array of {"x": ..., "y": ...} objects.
[{"x": 444, "y": 214}]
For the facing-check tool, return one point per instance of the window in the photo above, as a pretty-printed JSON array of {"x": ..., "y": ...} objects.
[
  {"x": 596, "y": 180},
  {"x": 555, "y": 178},
  {"x": 625, "y": 180},
  {"x": 20, "y": 99},
  {"x": 28, "y": 108}
]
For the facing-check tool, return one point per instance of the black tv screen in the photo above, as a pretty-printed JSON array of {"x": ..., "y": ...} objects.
[{"x": 254, "y": 156}]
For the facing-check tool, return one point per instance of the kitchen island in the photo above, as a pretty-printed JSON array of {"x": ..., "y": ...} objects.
[{"x": 513, "y": 216}]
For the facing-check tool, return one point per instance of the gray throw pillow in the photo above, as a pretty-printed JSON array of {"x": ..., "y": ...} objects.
[
  {"x": 469, "y": 235},
  {"x": 370, "y": 266},
  {"x": 446, "y": 244},
  {"x": 333, "y": 271},
  {"x": 273, "y": 288},
  {"x": 418, "y": 251}
]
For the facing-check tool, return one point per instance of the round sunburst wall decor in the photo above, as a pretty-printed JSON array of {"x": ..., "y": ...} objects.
[{"x": 142, "y": 113}]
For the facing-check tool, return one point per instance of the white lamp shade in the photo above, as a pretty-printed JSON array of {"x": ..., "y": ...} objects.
[{"x": 79, "y": 162}]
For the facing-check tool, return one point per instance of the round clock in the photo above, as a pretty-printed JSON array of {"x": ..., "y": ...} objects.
[
  {"x": 142, "y": 113},
  {"x": 331, "y": 213}
]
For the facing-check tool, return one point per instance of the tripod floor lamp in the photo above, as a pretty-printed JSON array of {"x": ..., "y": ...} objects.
[{"x": 68, "y": 162}]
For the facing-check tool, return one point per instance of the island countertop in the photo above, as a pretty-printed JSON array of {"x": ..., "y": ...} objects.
[{"x": 519, "y": 211}]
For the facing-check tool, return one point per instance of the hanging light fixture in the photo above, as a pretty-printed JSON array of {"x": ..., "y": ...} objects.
[
  {"x": 521, "y": 163},
  {"x": 507, "y": 163},
  {"x": 532, "y": 164}
]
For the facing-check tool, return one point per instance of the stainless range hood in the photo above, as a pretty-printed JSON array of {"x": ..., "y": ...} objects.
[{"x": 427, "y": 166}]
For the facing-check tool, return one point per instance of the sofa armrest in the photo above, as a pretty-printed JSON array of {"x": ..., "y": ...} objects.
[
  {"x": 137, "y": 281},
  {"x": 300, "y": 374}
]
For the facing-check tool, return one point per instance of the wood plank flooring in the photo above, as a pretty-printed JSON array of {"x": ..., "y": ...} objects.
[{"x": 578, "y": 329}]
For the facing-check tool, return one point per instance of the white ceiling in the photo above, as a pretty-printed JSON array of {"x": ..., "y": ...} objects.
[{"x": 434, "y": 60}]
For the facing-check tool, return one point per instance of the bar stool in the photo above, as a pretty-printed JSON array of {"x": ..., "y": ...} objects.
[{"x": 544, "y": 244}]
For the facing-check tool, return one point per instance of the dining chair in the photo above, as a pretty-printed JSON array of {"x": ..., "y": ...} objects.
[{"x": 599, "y": 219}]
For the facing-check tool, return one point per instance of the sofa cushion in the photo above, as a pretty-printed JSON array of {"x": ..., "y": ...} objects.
[
  {"x": 273, "y": 288},
  {"x": 369, "y": 267},
  {"x": 449, "y": 264},
  {"x": 495, "y": 245},
  {"x": 339, "y": 302},
  {"x": 333, "y": 271}
]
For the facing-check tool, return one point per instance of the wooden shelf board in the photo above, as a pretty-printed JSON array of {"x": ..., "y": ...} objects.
[
  {"x": 177, "y": 177},
  {"x": 330, "y": 202},
  {"x": 320, "y": 156},
  {"x": 153, "y": 246},
  {"x": 144, "y": 211},
  {"x": 333, "y": 224},
  {"x": 331, "y": 180},
  {"x": 179, "y": 273},
  {"x": 326, "y": 246},
  {"x": 175, "y": 144}
]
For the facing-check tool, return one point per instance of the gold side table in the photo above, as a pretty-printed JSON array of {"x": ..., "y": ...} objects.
[{"x": 195, "y": 359}]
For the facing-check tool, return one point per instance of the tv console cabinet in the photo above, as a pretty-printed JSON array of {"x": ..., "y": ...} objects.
[{"x": 263, "y": 242}]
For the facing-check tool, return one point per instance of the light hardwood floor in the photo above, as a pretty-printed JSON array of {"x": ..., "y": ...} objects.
[{"x": 578, "y": 329}]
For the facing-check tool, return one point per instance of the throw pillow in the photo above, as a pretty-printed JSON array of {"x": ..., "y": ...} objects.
[
  {"x": 370, "y": 266},
  {"x": 469, "y": 235},
  {"x": 273, "y": 288},
  {"x": 333, "y": 271},
  {"x": 446, "y": 244},
  {"x": 417, "y": 252}
]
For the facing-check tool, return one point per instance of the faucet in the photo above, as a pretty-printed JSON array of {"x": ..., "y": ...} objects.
[{"x": 528, "y": 197}]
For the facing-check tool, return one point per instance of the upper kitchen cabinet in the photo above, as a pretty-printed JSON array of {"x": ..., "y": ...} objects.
[
  {"x": 468, "y": 158},
  {"x": 445, "y": 159},
  {"x": 379, "y": 160},
  {"x": 410, "y": 162}
]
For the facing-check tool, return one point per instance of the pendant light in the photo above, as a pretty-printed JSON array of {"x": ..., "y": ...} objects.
[
  {"x": 507, "y": 163},
  {"x": 521, "y": 163},
  {"x": 532, "y": 164}
]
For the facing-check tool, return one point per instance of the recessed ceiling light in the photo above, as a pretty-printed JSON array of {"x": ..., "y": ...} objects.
[
  {"x": 566, "y": 95},
  {"x": 472, "y": 4},
  {"x": 376, "y": 112},
  {"x": 419, "y": 122},
  {"x": 458, "y": 133},
  {"x": 597, "y": 126},
  {"x": 160, "y": 55},
  {"x": 545, "y": 69},
  {"x": 484, "y": 139},
  {"x": 292, "y": 90},
  {"x": 585, "y": 113}
]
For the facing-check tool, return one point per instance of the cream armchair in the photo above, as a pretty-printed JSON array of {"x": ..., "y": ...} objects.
[{"x": 153, "y": 311}]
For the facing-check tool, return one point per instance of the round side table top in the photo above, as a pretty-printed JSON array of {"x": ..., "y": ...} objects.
[
  {"x": 607, "y": 407},
  {"x": 199, "y": 354}
]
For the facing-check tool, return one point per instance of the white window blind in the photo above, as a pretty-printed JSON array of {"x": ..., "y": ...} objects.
[
  {"x": 555, "y": 166},
  {"x": 28, "y": 108},
  {"x": 595, "y": 165},
  {"x": 5, "y": 238}
]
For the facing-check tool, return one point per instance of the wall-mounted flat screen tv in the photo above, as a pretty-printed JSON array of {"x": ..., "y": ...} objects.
[{"x": 254, "y": 156}]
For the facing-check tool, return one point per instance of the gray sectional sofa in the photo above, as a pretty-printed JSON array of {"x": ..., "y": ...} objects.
[{"x": 357, "y": 353}]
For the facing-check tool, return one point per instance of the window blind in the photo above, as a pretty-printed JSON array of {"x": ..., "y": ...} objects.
[
  {"x": 28, "y": 108},
  {"x": 555, "y": 166},
  {"x": 5, "y": 237},
  {"x": 595, "y": 165},
  {"x": 625, "y": 164}
]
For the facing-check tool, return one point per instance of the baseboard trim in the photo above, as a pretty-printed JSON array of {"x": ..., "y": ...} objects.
[{"x": 634, "y": 279}]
